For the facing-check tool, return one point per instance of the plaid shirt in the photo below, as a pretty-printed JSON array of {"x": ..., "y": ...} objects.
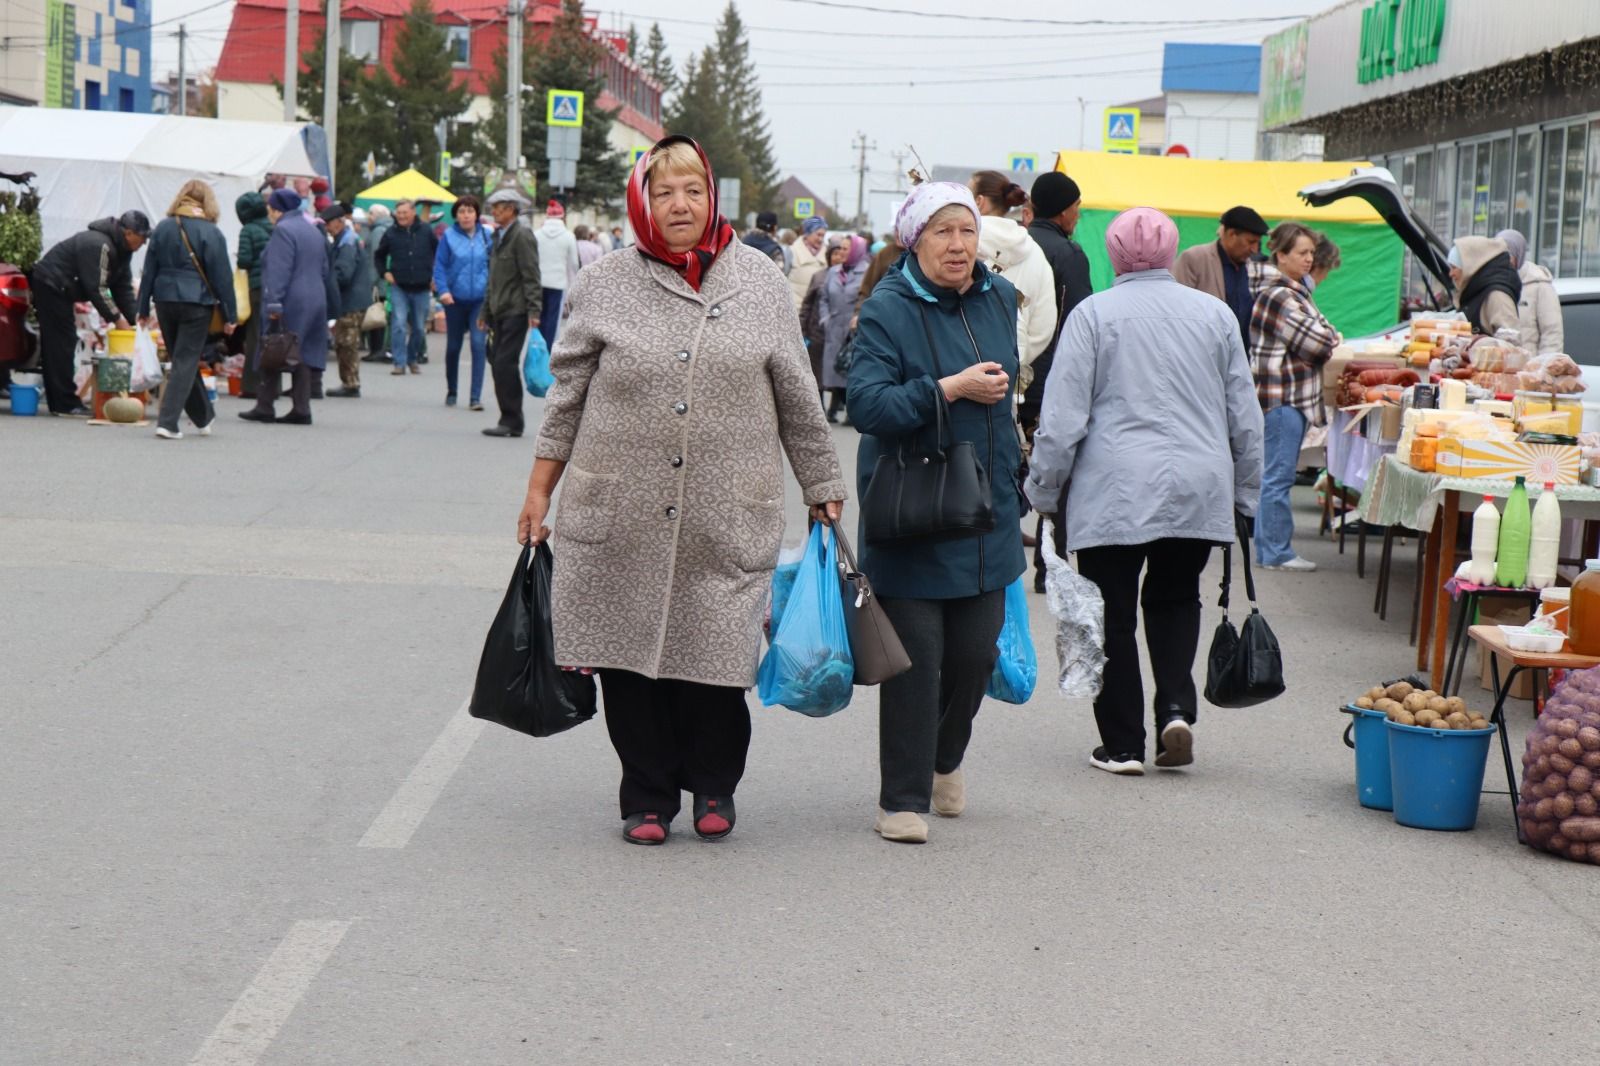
[{"x": 1289, "y": 342}]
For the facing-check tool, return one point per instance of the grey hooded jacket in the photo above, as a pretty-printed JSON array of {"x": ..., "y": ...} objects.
[{"x": 1150, "y": 425}]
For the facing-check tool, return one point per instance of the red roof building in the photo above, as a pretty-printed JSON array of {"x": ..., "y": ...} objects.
[{"x": 252, "y": 55}]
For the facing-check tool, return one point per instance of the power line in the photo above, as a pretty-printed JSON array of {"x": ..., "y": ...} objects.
[
  {"x": 838, "y": 5},
  {"x": 116, "y": 31},
  {"x": 934, "y": 75},
  {"x": 880, "y": 35}
]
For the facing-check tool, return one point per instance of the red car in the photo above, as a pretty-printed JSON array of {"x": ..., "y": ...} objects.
[{"x": 17, "y": 341}]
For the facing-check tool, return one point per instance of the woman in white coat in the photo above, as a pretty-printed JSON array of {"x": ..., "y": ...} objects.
[
  {"x": 1005, "y": 248},
  {"x": 1539, "y": 308}
]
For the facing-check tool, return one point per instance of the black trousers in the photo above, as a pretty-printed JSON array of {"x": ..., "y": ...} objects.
[
  {"x": 508, "y": 338},
  {"x": 925, "y": 715},
  {"x": 269, "y": 386},
  {"x": 673, "y": 737},
  {"x": 184, "y": 327},
  {"x": 1170, "y": 599},
  {"x": 58, "y": 346}
]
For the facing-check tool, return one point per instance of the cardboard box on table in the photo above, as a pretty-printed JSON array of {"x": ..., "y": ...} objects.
[
  {"x": 1504, "y": 611},
  {"x": 1504, "y": 460}
]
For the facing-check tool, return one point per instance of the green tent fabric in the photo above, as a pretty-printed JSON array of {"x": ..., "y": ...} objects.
[{"x": 1360, "y": 298}]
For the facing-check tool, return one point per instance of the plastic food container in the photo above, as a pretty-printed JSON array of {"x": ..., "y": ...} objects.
[
  {"x": 1521, "y": 638},
  {"x": 1555, "y": 599}
]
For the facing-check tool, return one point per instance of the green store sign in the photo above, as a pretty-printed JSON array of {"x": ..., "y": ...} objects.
[{"x": 1398, "y": 35}]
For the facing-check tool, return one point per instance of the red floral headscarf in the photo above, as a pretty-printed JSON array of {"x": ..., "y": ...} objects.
[{"x": 694, "y": 263}]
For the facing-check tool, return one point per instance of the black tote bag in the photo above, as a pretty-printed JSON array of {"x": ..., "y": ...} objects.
[
  {"x": 1244, "y": 667},
  {"x": 874, "y": 644},
  {"x": 280, "y": 348},
  {"x": 519, "y": 684}
]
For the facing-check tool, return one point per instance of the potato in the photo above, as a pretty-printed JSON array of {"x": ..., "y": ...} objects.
[
  {"x": 1581, "y": 829},
  {"x": 1458, "y": 720},
  {"x": 1563, "y": 806},
  {"x": 1544, "y": 810},
  {"x": 1480, "y": 723},
  {"x": 1404, "y": 717},
  {"x": 1539, "y": 832},
  {"x": 1580, "y": 779},
  {"x": 1555, "y": 783},
  {"x": 1586, "y": 805},
  {"x": 1385, "y": 704},
  {"x": 1538, "y": 769},
  {"x": 1456, "y": 703},
  {"x": 1578, "y": 852},
  {"x": 1558, "y": 843},
  {"x": 1364, "y": 703},
  {"x": 1561, "y": 764},
  {"x": 1429, "y": 694},
  {"x": 1377, "y": 692},
  {"x": 1414, "y": 702},
  {"x": 1565, "y": 727},
  {"x": 1439, "y": 705},
  {"x": 1549, "y": 744},
  {"x": 1589, "y": 737},
  {"x": 1592, "y": 760},
  {"x": 1570, "y": 748},
  {"x": 1400, "y": 690}
]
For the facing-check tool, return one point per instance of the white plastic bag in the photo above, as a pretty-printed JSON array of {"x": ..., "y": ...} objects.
[
  {"x": 1080, "y": 613},
  {"x": 146, "y": 363}
]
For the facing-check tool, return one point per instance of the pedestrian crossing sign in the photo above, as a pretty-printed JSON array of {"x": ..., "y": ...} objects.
[
  {"x": 634, "y": 155},
  {"x": 563, "y": 107},
  {"x": 804, "y": 207},
  {"x": 1121, "y": 130},
  {"x": 1022, "y": 161}
]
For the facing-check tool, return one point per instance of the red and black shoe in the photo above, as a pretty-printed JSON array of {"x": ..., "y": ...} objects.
[
  {"x": 713, "y": 816},
  {"x": 646, "y": 828}
]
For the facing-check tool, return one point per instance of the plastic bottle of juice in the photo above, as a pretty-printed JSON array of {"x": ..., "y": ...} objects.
[
  {"x": 1544, "y": 547},
  {"x": 1485, "y": 541},
  {"x": 1516, "y": 530},
  {"x": 1584, "y": 629}
]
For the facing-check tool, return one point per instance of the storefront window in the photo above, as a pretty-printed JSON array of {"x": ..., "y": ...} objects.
[
  {"x": 1444, "y": 173},
  {"x": 1550, "y": 216},
  {"x": 1422, "y": 200},
  {"x": 1499, "y": 185},
  {"x": 1591, "y": 204},
  {"x": 1525, "y": 184},
  {"x": 1572, "y": 199},
  {"x": 1480, "y": 191},
  {"x": 1464, "y": 187}
]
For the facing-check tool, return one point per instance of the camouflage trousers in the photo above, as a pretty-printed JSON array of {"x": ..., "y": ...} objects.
[{"x": 347, "y": 345}]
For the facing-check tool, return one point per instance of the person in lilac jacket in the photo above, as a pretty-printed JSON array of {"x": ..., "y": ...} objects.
[{"x": 461, "y": 278}]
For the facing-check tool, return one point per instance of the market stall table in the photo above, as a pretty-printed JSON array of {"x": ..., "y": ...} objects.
[
  {"x": 1493, "y": 644},
  {"x": 1401, "y": 495}
]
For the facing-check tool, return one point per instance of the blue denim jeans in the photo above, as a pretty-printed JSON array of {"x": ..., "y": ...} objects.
[
  {"x": 1284, "y": 431},
  {"x": 408, "y": 329},
  {"x": 461, "y": 318},
  {"x": 550, "y": 315}
]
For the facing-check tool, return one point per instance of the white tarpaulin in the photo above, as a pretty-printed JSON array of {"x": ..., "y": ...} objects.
[{"x": 91, "y": 164}]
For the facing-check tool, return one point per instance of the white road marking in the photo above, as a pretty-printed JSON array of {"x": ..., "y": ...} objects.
[
  {"x": 245, "y": 1032},
  {"x": 417, "y": 793}
]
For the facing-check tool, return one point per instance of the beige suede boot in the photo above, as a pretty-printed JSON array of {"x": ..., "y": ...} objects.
[
  {"x": 905, "y": 827},
  {"x": 949, "y": 793}
]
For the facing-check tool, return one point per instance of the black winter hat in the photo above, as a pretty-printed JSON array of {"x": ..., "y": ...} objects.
[
  {"x": 1053, "y": 193},
  {"x": 1244, "y": 218},
  {"x": 767, "y": 220}
]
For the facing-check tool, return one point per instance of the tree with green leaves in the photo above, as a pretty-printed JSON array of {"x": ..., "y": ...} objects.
[
  {"x": 408, "y": 104},
  {"x": 356, "y": 126},
  {"x": 633, "y": 41},
  {"x": 658, "y": 63},
  {"x": 571, "y": 58},
  {"x": 740, "y": 92},
  {"x": 699, "y": 111}
]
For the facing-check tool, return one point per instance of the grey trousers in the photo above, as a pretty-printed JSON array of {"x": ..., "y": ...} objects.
[
  {"x": 925, "y": 715},
  {"x": 184, "y": 326}
]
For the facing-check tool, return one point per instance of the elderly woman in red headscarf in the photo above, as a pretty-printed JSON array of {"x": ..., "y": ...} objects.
[
  {"x": 681, "y": 385},
  {"x": 841, "y": 294},
  {"x": 1151, "y": 436}
]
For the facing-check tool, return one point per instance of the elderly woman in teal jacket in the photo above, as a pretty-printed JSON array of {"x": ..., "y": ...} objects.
[{"x": 939, "y": 329}]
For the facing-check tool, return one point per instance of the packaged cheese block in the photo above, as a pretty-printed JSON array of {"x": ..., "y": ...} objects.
[{"x": 1424, "y": 453}]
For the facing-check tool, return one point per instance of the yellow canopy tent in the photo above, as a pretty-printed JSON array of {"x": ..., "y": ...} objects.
[
  {"x": 1362, "y": 296},
  {"x": 406, "y": 185}
]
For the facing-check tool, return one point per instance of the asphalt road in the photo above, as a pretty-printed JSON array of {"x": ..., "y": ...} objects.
[{"x": 245, "y": 819}]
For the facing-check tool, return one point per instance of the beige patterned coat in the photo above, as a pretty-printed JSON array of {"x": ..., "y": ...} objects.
[{"x": 673, "y": 410}]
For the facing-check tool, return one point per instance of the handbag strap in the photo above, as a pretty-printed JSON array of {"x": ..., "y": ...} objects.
[
  {"x": 183, "y": 235},
  {"x": 941, "y": 410},
  {"x": 1227, "y": 571}
]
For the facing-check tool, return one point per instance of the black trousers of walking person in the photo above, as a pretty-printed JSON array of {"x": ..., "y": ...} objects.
[
  {"x": 269, "y": 385},
  {"x": 673, "y": 737},
  {"x": 58, "y": 346},
  {"x": 184, "y": 327},
  {"x": 508, "y": 338},
  {"x": 1170, "y": 601},
  {"x": 925, "y": 715}
]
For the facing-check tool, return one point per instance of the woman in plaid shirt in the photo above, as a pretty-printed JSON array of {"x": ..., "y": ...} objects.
[{"x": 1289, "y": 342}]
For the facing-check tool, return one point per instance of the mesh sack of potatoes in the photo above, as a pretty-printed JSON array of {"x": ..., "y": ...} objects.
[{"x": 1560, "y": 803}]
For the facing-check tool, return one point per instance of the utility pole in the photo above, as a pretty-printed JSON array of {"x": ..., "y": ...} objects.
[
  {"x": 514, "y": 89},
  {"x": 183, "y": 77},
  {"x": 332, "y": 53},
  {"x": 291, "y": 58},
  {"x": 861, "y": 174},
  {"x": 899, "y": 170},
  {"x": 1081, "y": 105}
]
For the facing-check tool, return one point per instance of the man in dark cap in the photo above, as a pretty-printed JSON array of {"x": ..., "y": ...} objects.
[
  {"x": 85, "y": 266},
  {"x": 1056, "y": 203},
  {"x": 1223, "y": 268},
  {"x": 764, "y": 239},
  {"x": 350, "y": 279}
]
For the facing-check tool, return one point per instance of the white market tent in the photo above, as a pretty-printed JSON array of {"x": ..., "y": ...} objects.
[{"x": 91, "y": 164}]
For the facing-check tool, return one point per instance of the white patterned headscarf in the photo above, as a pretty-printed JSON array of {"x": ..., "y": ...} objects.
[{"x": 924, "y": 202}]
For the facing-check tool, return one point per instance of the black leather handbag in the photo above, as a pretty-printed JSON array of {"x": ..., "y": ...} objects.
[
  {"x": 1244, "y": 667},
  {"x": 938, "y": 495},
  {"x": 874, "y": 644},
  {"x": 280, "y": 348}
]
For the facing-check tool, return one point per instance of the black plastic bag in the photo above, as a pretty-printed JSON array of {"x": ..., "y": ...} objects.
[
  {"x": 1244, "y": 667},
  {"x": 519, "y": 684}
]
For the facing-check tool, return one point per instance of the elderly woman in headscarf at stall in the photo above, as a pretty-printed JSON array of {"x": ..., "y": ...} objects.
[
  {"x": 1487, "y": 285},
  {"x": 294, "y": 297},
  {"x": 1152, "y": 477},
  {"x": 1539, "y": 309},
  {"x": 839, "y": 294}
]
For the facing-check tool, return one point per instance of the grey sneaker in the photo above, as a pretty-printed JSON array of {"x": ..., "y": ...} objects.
[
  {"x": 1296, "y": 565},
  {"x": 1128, "y": 763}
]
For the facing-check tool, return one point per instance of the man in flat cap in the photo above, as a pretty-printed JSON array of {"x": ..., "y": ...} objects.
[
  {"x": 510, "y": 306},
  {"x": 1223, "y": 267}
]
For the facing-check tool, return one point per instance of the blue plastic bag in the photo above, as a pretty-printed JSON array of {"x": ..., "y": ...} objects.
[
  {"x": 809, "y": 668},
  {"x": 1017, "y": 669},
  {"x": 536, "y": 365}
]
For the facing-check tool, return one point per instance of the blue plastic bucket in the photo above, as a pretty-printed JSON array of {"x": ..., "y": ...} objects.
[
  {"x": 1372, "y": 760},
  {"x": 24, "y": 400},
  {"x": 1437, "y": 775}
]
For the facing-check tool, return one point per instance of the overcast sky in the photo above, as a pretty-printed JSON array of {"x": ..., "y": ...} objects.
[{"x": 965, "y": 90}]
